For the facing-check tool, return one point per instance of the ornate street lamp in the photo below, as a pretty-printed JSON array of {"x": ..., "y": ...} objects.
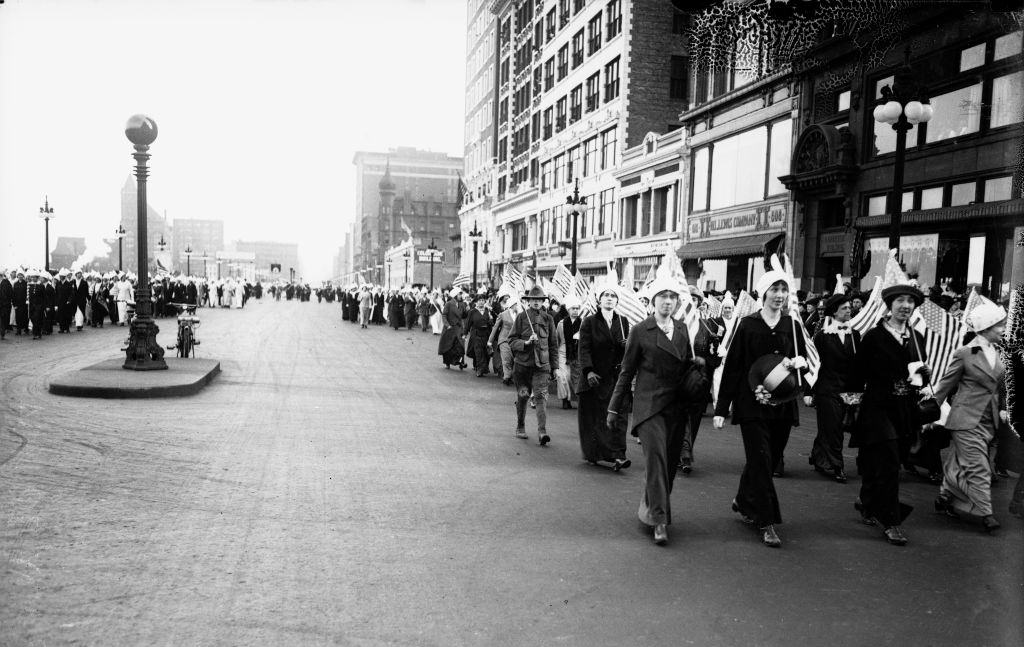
[
  {"x": 576, "y": 206},
  {"x": 405, "y": 261},
  {"x": 476, "y": 236},
  {"x": 120, "y": 233},
  {"x": 188, "y": 260},
  {"x": 432, "y": 252},
  {"x": 143, "y": 352},
  {"x": 46, "y": 213},
  {"x": 902, "y": 105},
  {"x": 162, "y": 244}
]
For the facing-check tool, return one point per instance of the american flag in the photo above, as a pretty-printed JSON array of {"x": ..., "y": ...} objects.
[
  {"x": 584, "y": 291},
  {"x": 513, "y": 279},
  {"x": 562, "y": 280},
  {"x": 973, "y": 300},
  {"x": 745, "y": 305},
  {"x": 629, "y": 305},
  {"x": 871, "y": 312},
  {"x": 461, "y": 281},
  {"x": 943, "y": 334},
  {"x": 714, "y": 307}
]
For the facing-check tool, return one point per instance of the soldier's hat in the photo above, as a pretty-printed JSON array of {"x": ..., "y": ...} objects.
[{"x": 536, "y": 292}]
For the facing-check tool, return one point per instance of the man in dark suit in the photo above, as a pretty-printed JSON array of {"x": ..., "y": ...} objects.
[
  {"x": 6, "y": 301},
  {"x": 658, "y": 354},
  {"x": 838, "y": 380},
  {"x": 49, "y": 303},
  {"x": 192, "y": 293},
  {"x": 65, "y": 301}
]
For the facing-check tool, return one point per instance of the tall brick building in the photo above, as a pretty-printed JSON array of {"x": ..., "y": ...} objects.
[{"x": 577, "y": 83}]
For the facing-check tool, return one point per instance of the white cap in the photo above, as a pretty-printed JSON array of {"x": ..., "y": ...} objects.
[{"x": 985, "y": 315}]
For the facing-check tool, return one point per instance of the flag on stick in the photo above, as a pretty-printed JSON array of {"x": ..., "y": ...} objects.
[{"x": 943, "y": 334}]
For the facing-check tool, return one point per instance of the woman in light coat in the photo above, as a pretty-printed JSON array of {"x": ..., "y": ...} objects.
[{"x": 974, "y": 386}]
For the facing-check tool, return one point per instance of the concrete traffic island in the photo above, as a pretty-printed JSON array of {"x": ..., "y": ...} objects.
[{"x": 108, "y": 379}]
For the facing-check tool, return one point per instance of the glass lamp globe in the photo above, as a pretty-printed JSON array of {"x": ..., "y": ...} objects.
[
  {"x": 892, "y": 111},
  {"x": 914, "y": 110},
  {"x": 140, "y": 130},
  {"x": 926, "y": 112},
  {"x": 879, "y": 114}
]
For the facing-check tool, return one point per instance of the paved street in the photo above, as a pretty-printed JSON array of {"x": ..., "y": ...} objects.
[{"x": 336, "y": 486}]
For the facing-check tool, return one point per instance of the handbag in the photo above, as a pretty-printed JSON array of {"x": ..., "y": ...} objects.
[{"x": 928, "y": 410}]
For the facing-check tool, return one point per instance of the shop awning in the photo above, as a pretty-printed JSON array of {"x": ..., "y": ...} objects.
[{"x": 752, "y": 245}]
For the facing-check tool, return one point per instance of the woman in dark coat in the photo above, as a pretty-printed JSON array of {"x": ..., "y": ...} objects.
[
  {"x": 396, "y": 310},
  {"x": 601, "y": 346},
  {"x": 886, "y": 426},
  {"x": 377, "y": 314},
  {"x": 449, "y": 346},
  {"x": 478, "y": 324},
  {"x": 765, "y": 427}
]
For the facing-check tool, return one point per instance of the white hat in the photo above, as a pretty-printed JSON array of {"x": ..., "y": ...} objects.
[
  {"x": 572, "y": 301},
  {"x": 773, "y": 276},
  {"x": 728, "y": 300},
  {"x": 664, "y": 281},
  {"x": 985, "y": 315}
]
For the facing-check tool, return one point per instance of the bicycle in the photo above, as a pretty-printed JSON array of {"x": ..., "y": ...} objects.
[{"x": 188, "y": 321}]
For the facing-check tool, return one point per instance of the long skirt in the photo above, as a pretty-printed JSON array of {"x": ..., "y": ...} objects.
[
  {"x": 436, "y": 323},
  {"x": 967, "y": 473},
  {"x": 662, "y": 438},
  {"x": 597, "y": 440},
  {"x": 450, "y": 347}
]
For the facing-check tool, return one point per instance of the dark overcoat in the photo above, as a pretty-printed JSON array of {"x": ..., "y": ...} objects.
[
  {"x": 600, "y": 350},
  {"x": 657, "y": 363}
]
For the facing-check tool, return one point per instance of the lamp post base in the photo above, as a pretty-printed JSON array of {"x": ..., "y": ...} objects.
[{"x": 143, "y": 353}]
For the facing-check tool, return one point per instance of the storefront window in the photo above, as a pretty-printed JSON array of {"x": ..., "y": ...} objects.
[
  {"x": 781, "y": 148},
  {"x": 1008, "y": 45},
  {"x": 700, "y": 180},
  {"x": 963, "y": 194},
  {"x": 1007, "y": 99},
  {"x": 737, "y": 161},
  {"x": 956, "y": 113},
  {"x": 919, "y": 253},
  {"x": 1000, "y": 188}
]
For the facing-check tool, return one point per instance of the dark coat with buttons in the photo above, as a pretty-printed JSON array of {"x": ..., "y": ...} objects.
[
  {"x": 658, "y": 364},
  {"x": 753, "y": 339},
  {"x": 600, "y": 349},
  {"x": 839, "y": 370}
]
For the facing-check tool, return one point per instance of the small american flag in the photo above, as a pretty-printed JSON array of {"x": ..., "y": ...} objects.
[
  {"x": 871, "y": 312},
  {"x": 461, "y": 281},
  {"x": 629, "y": 305},
  {"x": 943, "y": 334},
  {"x": 745, "y": 305},
  {"x": 584, "y": 291},
  {"x": 714, "y": 307},
  {"x": 513, "y": 278},
  {"x": 562, "y": 280}
]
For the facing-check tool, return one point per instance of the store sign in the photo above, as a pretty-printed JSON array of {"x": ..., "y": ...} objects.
[
  {"x": 651, "y": 247},
  {"x": 428, "y": 255},
  {"x": 769, "y": 217}
]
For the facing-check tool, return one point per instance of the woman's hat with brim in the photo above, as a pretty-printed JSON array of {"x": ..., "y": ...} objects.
[
  {"x": 536, "y": 292},
  {"x": 832, "y": 304},
  {"x": 985, "y": 315},
  {"x": 768, "y": 371},
  {"x": 890, "y": 293},
  {"x": 696, "y": 293}
]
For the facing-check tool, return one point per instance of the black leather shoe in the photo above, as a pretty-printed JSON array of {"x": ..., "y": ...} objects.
[
  {"x": 621, "y": 464},
  {"x": 839, "y": 476},
  {"x": 865, "y": 518},
  {"x": 944, "y": 506},
  {"x": 744, "y": 518},
  {"x": 686, "y": 466},
  {"x": 661, "y": 534},
  {"x": 770, "y": 537},
  {"x": 544, "y": 439},
  {"x": 895, "y": 536},
  {"x": 990, "y": 524}
]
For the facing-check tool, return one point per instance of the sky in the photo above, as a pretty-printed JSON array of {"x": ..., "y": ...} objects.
[{"x": 260, "y": 106}]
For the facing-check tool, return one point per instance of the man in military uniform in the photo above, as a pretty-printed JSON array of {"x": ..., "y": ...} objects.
[{"x": 533, "y": 344}]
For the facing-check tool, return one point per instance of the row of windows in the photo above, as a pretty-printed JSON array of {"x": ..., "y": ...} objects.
[
  {"x": 742, "y": 168},
  {"x": 948, "y": 195},
  {"x": 570, "y": 108},
  {"x": 587, "y": 40},
  {"x": 597, "y": 153}
]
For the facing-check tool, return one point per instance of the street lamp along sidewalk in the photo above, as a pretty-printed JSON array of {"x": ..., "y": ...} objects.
[
  {"x": 46, "y": 213},
  {"x": 576, "y": 206},
  {"x": 476, "y": 236},
  {"x": 903, "y": 105}
]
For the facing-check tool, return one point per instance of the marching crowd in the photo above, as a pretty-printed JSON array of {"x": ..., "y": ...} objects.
[
  {"x": 655, "y": 378},
  {"x": 37, "y": 301}
]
